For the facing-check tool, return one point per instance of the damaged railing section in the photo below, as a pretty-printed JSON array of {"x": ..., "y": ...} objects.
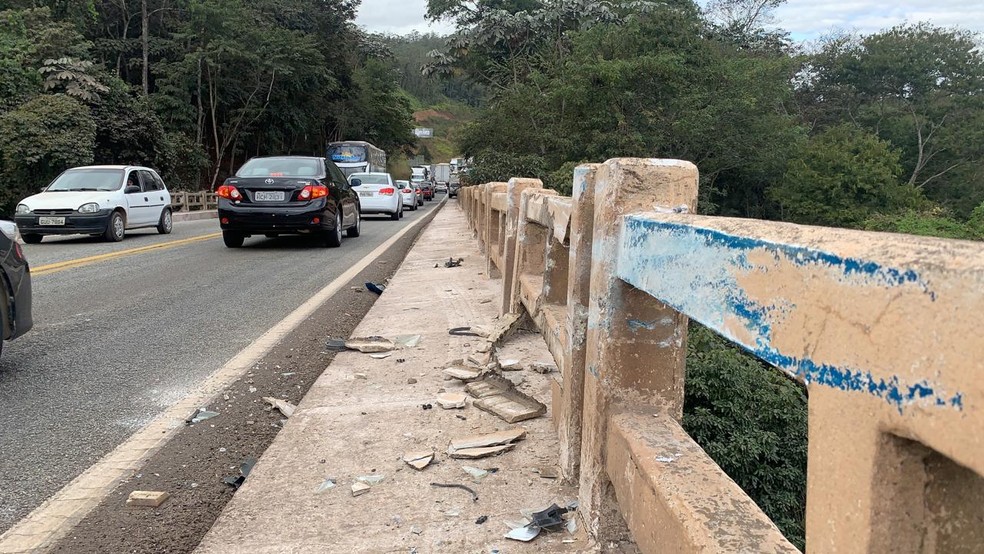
[{"x": 881, "y": 328}]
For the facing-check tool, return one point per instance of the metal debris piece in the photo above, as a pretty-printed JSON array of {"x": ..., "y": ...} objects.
[
  {"x": 370, "y": 345},
  {"x": 285, "y": 407},
  {"x": 457, "y": 486},
  {"x": 418, "y": 460},
  {"x": 237, "y": 481}
]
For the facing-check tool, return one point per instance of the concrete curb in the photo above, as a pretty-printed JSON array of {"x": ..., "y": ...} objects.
[{"x": 194, "y": 216}]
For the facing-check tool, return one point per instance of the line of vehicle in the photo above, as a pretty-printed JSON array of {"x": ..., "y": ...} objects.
[
  {"x": 54, "y": 518},
  {"x": 78, "y": 262}
]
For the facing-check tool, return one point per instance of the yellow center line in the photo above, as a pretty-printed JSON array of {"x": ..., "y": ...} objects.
[{"x": 61, "y": 266}]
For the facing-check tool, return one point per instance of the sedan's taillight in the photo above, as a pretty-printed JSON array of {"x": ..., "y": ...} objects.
[
  {"x": 229, "y": 192},
  {"x": 418, "y": 191},
  {"x": 387, "y": 191},
  {"x": 313, "y": 191}
]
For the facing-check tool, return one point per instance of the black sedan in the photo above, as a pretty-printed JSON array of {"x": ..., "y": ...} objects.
[
  {"x": 15, "y": 302},
  {"x": 280, "y": 195}
]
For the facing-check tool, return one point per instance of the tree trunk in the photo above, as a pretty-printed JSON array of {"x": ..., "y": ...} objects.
[{"x": 145, "y": 37}]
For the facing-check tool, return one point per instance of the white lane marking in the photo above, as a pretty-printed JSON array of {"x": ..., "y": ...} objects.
[{"x": 54, "y": 518}]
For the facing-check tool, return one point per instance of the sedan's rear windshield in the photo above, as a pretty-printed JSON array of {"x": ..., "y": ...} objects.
[
  {"x": 87, "y": 179},
  {"x": 281, "y": 167},
  {"x": 371, "y": 178}
]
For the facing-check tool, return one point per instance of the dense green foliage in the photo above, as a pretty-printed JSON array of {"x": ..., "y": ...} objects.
[
  {"x": 752, "y": 421},
  {"x": 192, "y": 87}
]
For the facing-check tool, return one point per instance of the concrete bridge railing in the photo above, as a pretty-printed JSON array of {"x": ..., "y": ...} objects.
[
  {"x": 192, "y": 201},
  {"x": 883, "y": 330}
]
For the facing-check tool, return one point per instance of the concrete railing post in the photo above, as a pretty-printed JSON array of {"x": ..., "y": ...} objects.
[
  {"x": 514, "y": 195},
  {"x": 571, "y": 407},
  {"x": 636, "y": 345},
  {"x": 530, "y": 248}
]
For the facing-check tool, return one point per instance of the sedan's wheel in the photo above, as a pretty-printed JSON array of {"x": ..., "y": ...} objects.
[
  {"x": 395, "y": 216},
  {"x": 334, "y": 237},
  {"x": 356, "y": 230},
  {"x": 166, "y": 223},
  {"x": 32, "y": 238},
  {"x": 233, "y": 239},
  {"x": 401, "y": 211},
  {"x": 116, "y": 228}
]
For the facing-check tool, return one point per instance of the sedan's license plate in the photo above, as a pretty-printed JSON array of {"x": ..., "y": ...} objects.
[
  {"x": 269, "y": 196},
  {"x": 365, "y": 193},
  {"x": 51, "y": 221}
]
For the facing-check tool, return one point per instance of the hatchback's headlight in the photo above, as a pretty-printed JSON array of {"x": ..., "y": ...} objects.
[
  {"x": 89, "y": 208},
  {"x": 23, "y": 209}
]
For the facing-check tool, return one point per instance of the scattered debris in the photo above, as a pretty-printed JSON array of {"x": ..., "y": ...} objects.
[
  {"x": 418, "y": 460},
  {"x": 381, "y": 355},
  {"x": 452, "y": 400},
  {"x": 463, "y": 373},
  {"x": 551, "y": 518},
  {"x": 237, "y": 481},
  {"x": 328, "y": 484},
  {"x": 499, "y": 396},
  {"x": 547, "y": 472},
  {"x": 485, "y": 346},
  {"x": 252, "y": 390},
  {"x": 360, "y": 376},
  {"x": 510, "y": 365},
  {"x": 407, "y": 341},
  {"x": 427, "y": 406},
  {"x": 373, "y": 287},
  {"x": 416, "y": 530},
  {"x": 461, "y": 417},
  {"x": 479, "y": 446},
  {"x": 453, "y": 262},
  {"x": 477, "y": 474},
  {"x": 411, "y": 381},
  {"x": 401, "y": 360},
  {"x": 285, "y": 407},
  {"x": 371, "y": 480},
  {"x": 358, "y": 489},
  {"x": 506, "y": 326},
  {"x": 481, "y": 520},
  {"x": 479, "y": 359},
  {"x": 457, "y": 486},
  {"x": 524, "y": 533},
  {"x": 200, "y": 415},
  {"x": 485, "y": 302},
  {"x": 543, "y": 367},
  {"x": 335, "y": 344},
  {"x": 370, "y": 345},
  {"x": 466, "y": 332},
  {"x": 148, "y": 499}
]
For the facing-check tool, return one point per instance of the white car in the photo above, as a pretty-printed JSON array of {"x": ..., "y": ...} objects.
[
  {"x": 103, "y": 200},
  {"x": 410, "y": 195},
  {"x": 377, "y": 194}
]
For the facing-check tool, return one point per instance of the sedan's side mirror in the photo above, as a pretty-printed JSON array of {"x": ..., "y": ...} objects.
[
  {"x": 132, "y": 189},
  {"x": 356, "y": 182}
]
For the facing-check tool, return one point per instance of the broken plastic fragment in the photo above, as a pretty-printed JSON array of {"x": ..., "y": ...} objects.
[
  {"x": 237, "y": 481},
  {"x": 371, "y": 479},
  {"x": 373, "y": 287},
  {"x": 572, "y": 525},
  {"x": 477, "y": 474},
  {"x": 285, "y": 407},
  {"x": 551, "y": 517},
  {"x": 524, "y": 534},
  {"x": 328, "y": 484},
  {"x": 201, "y": 415},
  {"x": 407, "y": 341}
]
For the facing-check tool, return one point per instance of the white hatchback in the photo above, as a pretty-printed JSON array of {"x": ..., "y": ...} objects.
[
  {"x": 103, "y": 200},
  {"x": 377, "y": 194},
  {"x": 410, "y": 195}
]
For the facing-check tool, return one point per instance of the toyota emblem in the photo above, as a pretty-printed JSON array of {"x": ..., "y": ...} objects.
[{"x": 269, "y": 181}]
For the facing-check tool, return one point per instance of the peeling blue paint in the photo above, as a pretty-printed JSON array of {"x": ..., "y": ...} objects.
[
  {"x": 695, "y": 271},
  {"x": 636, "y": 325}
]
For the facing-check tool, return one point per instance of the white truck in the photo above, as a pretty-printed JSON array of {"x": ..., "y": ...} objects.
[{"x": 442, "y": 174}]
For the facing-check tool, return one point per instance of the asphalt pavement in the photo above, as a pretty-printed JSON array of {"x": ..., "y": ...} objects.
[{"x": 119, "y": 338}]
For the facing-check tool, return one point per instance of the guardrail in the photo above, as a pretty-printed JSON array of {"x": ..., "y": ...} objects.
[
  {"x": 191, "y": 201},
  {"x": 882, "y": 329}
]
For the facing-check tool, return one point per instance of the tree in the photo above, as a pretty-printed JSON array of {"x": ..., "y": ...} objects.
[{"x": 841, "y": 177}]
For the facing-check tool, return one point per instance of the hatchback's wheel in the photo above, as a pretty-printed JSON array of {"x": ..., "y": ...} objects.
[
  {"x": 233, "y": 239},
  {"x": 333, "y": 239},
  {"x": 166, "y": 223},
  {"x": 356, "y": 229},
  {"x": 401, "y": 211},
  {"x": 116, "y": 228},
  {"x": 32, "y": 238}
]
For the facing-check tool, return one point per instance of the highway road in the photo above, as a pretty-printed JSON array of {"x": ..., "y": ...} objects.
[{"x": 123, "y": 331}]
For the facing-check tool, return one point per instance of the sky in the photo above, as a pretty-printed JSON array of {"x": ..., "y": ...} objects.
[{"x": 804, "y": 19}]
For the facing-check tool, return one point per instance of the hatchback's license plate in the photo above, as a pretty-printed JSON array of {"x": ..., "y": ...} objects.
[
  {"x": 51, "y": 221},
  {"x": 269, "y": 196},
  {"x": 365, "y": 193}
]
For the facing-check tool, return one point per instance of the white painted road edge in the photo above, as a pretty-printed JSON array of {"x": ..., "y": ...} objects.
[{"x": 54, "y": 518}]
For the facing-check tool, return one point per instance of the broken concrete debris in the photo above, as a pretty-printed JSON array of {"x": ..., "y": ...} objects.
[
  {"x": 510, "y": 365},
  {"x": 479, "y": 359},
  {"x": 547, "y": 472},
  {"x": 499, "y": 396},
  {"x": 452, "y": 400},
  {"x": 358, "y": 489},
  {"x": 237, "y": 481},
  {"x": 418, "y": 460},
  {"x": 479, "y": 446},
  {"x": 543, "y": 367},
  {"x": 147, "y": 499},
  {"x": 463, "y": 373},
  {"x": 477, "y": 474},
  {"x": 285, "y": 407},
  {"x": 370, "y": 345}
]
